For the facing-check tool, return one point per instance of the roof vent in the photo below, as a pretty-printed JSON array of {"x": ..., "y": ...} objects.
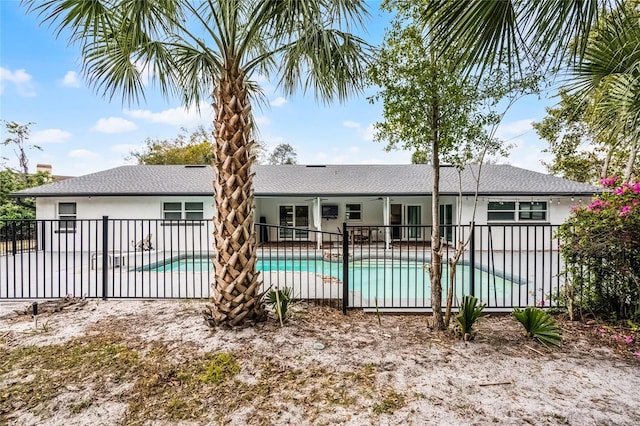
[
  {"x": 195, "y": 166},
  {"x": 316, "y": 165}
]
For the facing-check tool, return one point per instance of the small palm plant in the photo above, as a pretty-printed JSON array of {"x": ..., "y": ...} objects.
[
  {"x": 281, "y": 300},
  {"x": 539, "y": 325},
  {"x": 469, "y": 313}
]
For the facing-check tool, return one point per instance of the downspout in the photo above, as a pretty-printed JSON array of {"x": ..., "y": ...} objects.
[
  {"x": 318, "y": 224},
  {"x": 385, "y": 221}
]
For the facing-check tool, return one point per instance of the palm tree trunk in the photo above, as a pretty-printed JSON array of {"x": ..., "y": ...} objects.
[
  {"x": 605, "y": 166},
  {"x": 628, "y": 171},
  {"x": 236, "y": 290}
]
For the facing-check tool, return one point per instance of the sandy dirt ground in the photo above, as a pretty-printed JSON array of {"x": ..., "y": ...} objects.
[{"x": 321, "y": 368}]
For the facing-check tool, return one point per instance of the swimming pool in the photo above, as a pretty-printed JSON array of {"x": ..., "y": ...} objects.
[{"x": 373, "y": 278}]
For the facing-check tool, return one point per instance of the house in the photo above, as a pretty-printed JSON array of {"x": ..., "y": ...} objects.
[{"x": 395, "y": 198}]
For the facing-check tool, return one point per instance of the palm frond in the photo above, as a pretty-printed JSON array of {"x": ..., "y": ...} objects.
[
  {"x": 506, "y": 32},
  {"x": 328, "y": 62},
  {"x": 469, "y": 313},
  {"x": 539, "y": 325}
]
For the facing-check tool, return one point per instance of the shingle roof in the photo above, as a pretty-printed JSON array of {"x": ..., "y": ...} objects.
[{"x": 301, "y": 180}]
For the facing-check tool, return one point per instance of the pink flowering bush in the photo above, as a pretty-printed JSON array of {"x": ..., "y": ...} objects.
[{"x": 600, "y": 244}]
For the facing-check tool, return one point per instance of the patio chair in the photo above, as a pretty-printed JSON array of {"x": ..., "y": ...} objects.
[
  {"x": 144, "y": 244},
  {"x": 361, "y": 235}
]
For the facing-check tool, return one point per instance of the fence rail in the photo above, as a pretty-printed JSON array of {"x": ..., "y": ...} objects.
[{"x": 369, "y": 267}]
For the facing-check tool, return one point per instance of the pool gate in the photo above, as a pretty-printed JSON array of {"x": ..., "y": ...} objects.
[{"x": 354, "y": 266}]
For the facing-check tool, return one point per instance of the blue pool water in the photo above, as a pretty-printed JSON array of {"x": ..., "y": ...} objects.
[{"x": 372, "y": 277}]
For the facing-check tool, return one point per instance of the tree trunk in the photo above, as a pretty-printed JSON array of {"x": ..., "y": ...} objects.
[
  {"x": 435, "y": 271},
  {"x": 628, "y": 171},
  {"x": 605, "y": 166},
  {"x": 236, "y": 290}
]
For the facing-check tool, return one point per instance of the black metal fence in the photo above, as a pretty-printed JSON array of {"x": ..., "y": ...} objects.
[{"x": 369, "y": 267}]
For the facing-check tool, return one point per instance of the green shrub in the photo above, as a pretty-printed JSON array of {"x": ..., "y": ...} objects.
[
  {"x": 468, "y": 315},
  {"x": 281, "y": 300},
  {"x": 539, "y": 325},
  {"x": 600, "y": 244}
]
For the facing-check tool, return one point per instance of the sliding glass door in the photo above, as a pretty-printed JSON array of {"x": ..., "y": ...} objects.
[{"x": 294, "y": 216}]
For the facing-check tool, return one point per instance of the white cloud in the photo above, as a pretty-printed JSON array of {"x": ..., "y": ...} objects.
[
  {"x": 514, "y": 128},
  {"x": 125, "y": 148},
  {"x": 364, "y": 133},
  {"x": 20, "y": 79},
  {"x": 267, "y": 87},
  {"x": 71, "y": 79},
  {"x": 272, "y": 141},
  {"x": 180, "y": 116},
  {"x": 368, "y": 133},
  {"x": 263, "y": 120},
  {"x": 49, "y": 136},
  {"x": 278, "y": 102},
  {"x": 114, "y": 125},
  {"x": 82, "y": 154}
]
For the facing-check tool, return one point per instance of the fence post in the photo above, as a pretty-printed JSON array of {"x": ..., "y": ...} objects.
[
  {"x": 472, "y": 259},
  {"x": 43, "y": 230},
  {"x": 345, "y": 268},
  {"x": 105, "y": 256},
  {"x": 14, "y": 239}
]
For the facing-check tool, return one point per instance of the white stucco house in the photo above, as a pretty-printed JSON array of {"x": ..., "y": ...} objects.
[{"x": 317, "y": 197}]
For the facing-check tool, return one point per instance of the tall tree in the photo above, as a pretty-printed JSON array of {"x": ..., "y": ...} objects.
[
  {"x": 197, "y": 49},
  {"x": 430, "y": 109},
  {"x": 194, "y": 148},
  {"x": 19, "y": 139},
  {"x": 283, "y": 154},
  {"x": 580, "y": 151},
  {"x": 596, "y": 42},
  {"x": 609, "y": 76}
]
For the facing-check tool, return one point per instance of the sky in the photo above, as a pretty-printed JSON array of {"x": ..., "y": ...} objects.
[{"x": 80, "y": 131}]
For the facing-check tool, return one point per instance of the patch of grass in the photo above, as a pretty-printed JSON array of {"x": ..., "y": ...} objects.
[
  {"x": 162, "y": 385},
  {"x": 220, "y": 367},
  {"x": 558, "y": 418},
  {"x": 81, "y": 406},
  {"x": 389, "y": 403},
  {"x": 39, "y": 374}
]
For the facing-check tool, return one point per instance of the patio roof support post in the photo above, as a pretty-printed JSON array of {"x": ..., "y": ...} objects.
[
  {"x": 317, "y": 219},
  {"x": 386, "y": 209}
]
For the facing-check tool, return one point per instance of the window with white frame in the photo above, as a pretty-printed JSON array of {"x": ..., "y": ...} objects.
[
  {"x": 501, "y": 210},
  {"x": 517, "y": 211},
  {"x": 353, "y": 212},
  {"x": 532, "y": 210},
  {"x": 67, "y": 214},
  {"x": 178, "y": 210}
]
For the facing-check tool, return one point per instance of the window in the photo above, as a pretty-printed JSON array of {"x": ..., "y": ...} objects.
[
  {"x": 501, "y": 210},
  {"x": 353, "y": 212},
  {"x": 534, "y": 210},
  {"x": 67, "y": 216},
  {"x": 527, "y": 210},
  {"x": 178, "y": 210}
]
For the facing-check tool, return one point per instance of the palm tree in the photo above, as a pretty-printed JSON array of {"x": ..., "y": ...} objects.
[
  {"x": 597, "y": 43},
  {"x": 512, "y": 32},
  {"x": 213, "y": 48},
  {"x": 610, "y": 74}
]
